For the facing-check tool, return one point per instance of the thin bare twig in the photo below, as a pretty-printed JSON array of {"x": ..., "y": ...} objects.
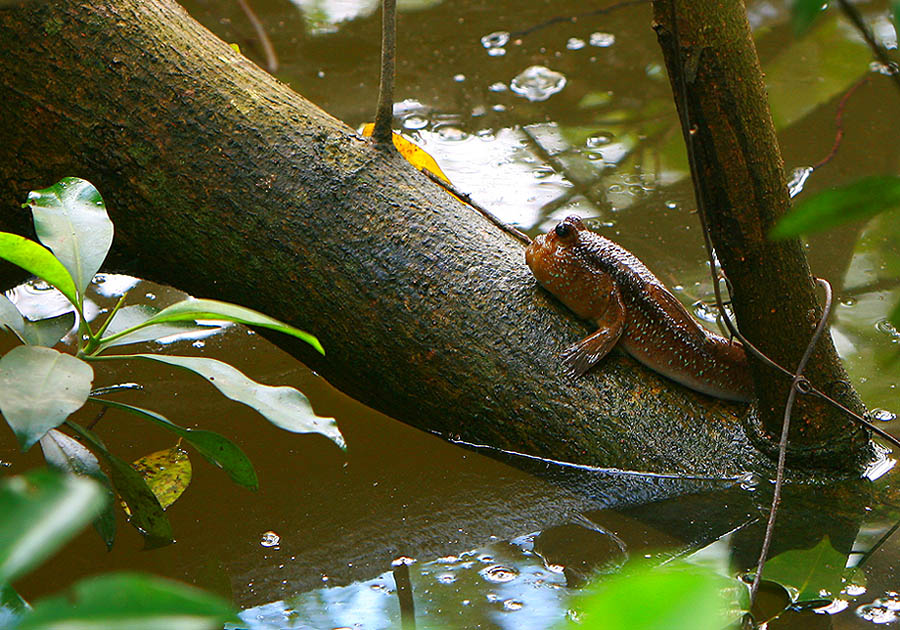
[
  {"x": 839, "y": 123},
  {"x": 487, "y": 214},
  {"x": 798, "y": 384},
  {"x": 574, "y": 18},
  {"x": 877, "y": 49},
  {"x": 268, "y": 48}
]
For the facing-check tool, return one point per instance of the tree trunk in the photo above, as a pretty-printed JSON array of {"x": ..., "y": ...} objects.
[
  {"x": 223, "y": 182},
  {"x": 739, "y": 173}
]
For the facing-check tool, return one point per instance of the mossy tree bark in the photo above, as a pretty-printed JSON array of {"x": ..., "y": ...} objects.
[
  {"x": 225, "y": 183},
  {"x": 719, "y": 90}
]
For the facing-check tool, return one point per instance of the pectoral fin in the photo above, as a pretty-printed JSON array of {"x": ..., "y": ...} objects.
[{"x": 582, "y": 356}]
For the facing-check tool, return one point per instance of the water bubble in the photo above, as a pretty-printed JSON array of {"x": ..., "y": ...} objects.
[
  {"x": 498, "y": 574},
  {"x": 496, "y": 52},
  {"x": 749, "y": 482},
  {"x": 451, "y": 133},
  {"x": 671, "y": 205},
  {"x": 876, "y": 613},
  {"x": 599, "y": 139},
  {"x": 446, "y": 578},
  {"x": 270, "y": 539},
  {"x": 538, "y": 83},
  {"x": 848, "y": 301},
  {"x": 414, "y": 123},
  {"x": 575, "y": 44},
  {"x": 459, "y": 78},
  {"x": 654, "y": 71},
  {"x": 602, "y": 40},
  {"x": 497, "y": 39},
  {"x": 512, "y": 605},
  {"x": 886, "y": 327},
  {"x": 882, "y": 415},
  {"x": 199, "y": 343},
  {"x": 854, "y": 590},
  {"x": 499, "y": 107},
  {"x": 150, "y": 296},
  {"x": 885, "y": 69},
  {"x": 798, "y": 179},
  {"x": 497, "y": 87}
]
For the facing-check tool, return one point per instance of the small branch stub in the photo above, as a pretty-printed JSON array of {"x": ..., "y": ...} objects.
[{"x": 384, "y": 115}]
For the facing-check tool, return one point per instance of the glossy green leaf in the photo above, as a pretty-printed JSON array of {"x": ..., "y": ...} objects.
[
  {"x": 70, "y": 218},
  {"x": 42, "y": 510},
  {"x": 116, "y": 601},
  {"x": 37, "y": 260},
  {"x": 193, "y": 310},
  {"x": 48, "y": 332},
  {"x": 809, "y": 572},
  {"x": 147, "y": 515},
  {"x": 11, "y": 319},
  {"x": 285, "y": 407},
  {"x": 134, "y": 317},
  {"x": 168, "y": 473},
  {"x": 804, "y": 13},
  {"x": 39, "y": 388},
  {"x": 216, "y": 449},
  {"x": 862, "y": 199},
  {"x": 69, "y": 456},
  {"x": 678, "y": 597}
]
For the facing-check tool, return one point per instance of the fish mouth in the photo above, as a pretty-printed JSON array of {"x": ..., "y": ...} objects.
[{"x": 536, "y": 250}]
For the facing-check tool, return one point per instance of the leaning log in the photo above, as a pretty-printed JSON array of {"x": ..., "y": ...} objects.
[{"x": 223, "y": 182}]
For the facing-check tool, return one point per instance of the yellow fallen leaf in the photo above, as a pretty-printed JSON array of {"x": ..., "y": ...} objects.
[
  {"x": 167, "y": 473},
  {"x": 414, "y": 154}
]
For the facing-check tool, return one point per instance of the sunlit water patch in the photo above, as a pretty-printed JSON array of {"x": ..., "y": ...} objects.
[{"x": 505, "y": 585}]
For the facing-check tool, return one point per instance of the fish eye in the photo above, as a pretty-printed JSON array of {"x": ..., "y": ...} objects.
[{"x": 564, "y": 229}]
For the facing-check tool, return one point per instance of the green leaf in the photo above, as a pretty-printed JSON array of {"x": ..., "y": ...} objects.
[
  {"x": 679, "y": 597},
  {"x": 38, "y": 261},
  {"x": 48, "y": 332},
  {"x": 862, "y": 199},
  {"x": 147, "y": 515},
  {"x": 168, "y": 473},
  {"x": 39, "y": 388},
  {"x": 810, "y": 572},
  {"x": 216, "y": 449},
  {"x": 70, "y": 218},
  {"x": 69, "y": 456},
  {"x": 42, "y": 510},
  {"x": 193, "y": 309},
  {"x": 130, "y": 600},
  {"x": 804, "y": 13},
  {"x": 11, "y": 319},
  {"x": 285, "y": 407},
  {"x": 134, "y": 317}
]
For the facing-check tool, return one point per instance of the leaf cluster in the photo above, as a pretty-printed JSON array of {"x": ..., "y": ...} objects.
[{"x": 40, "y": 387}]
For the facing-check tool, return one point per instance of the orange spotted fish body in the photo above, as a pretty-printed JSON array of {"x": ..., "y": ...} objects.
[{"x": 605, "y": 283}]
